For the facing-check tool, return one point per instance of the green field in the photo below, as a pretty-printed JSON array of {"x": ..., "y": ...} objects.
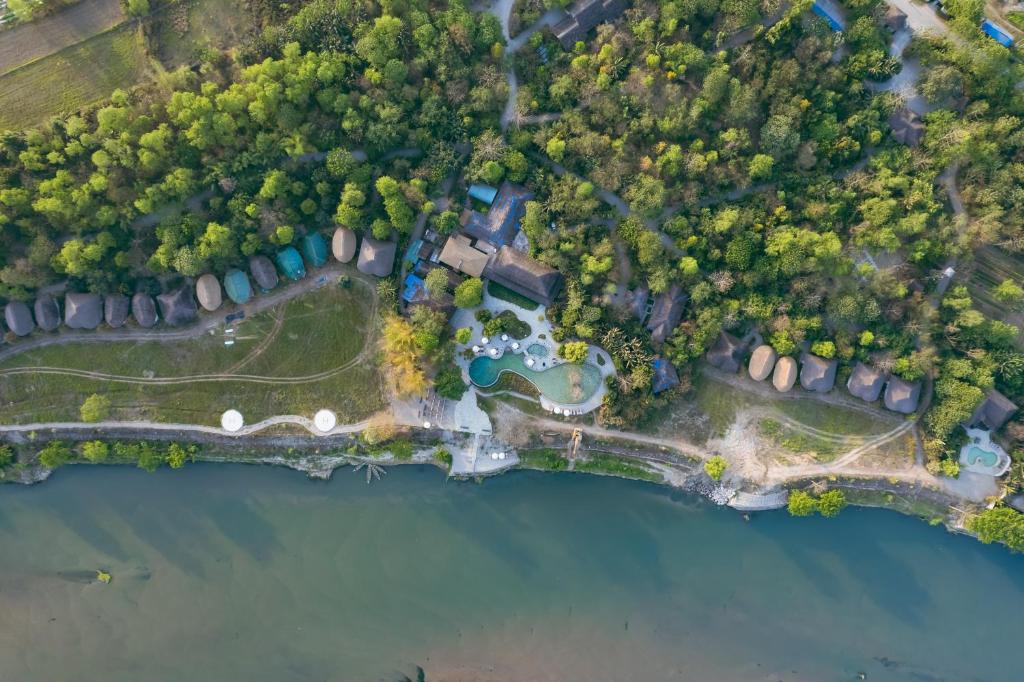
[
  {"x": 303, "y": 357},
  {"x": 180, "y": 34},
  {"x": 75, "y": 77}
]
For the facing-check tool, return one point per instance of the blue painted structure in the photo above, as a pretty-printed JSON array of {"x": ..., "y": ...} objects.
[
  {"x": 237, "y": 286},
  {"x": 997, "y": 34},
  {"x": 414, "y": 289},
  {"x": 665, "y": 375},
  {"x": 290, "y": 262},
  {"x": 484, "y": 193},
  {"x": 833, "y": 22},
  {"x": 314, "y": 248}
]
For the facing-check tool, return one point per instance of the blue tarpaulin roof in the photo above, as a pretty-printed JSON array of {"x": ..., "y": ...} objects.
[
  {"x": 237, "y": 286},
  {"x": 833, "y": 22},
  {"x": 484, "y": 193},
  {"x": 997, "y": 34},
  {"x": 314, "y": 248},
  {"x": 290, "y": 262},
  {"x": 414, "y": 288}
]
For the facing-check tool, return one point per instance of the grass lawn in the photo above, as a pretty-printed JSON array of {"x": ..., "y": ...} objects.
[
  {"x": 72, "y": 78},
  {"x": 182, "y": 32},
  {"x": 546, "y": 459},
  {"x": 505, "y": 294},
  {"x": 319, "y": 332},
  {"x": 799, "y": 442},
  {"x": 601, "y": 463},
  {"x": 834, "y": 418}
]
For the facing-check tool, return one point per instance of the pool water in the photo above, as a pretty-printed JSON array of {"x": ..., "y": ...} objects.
[
  {"x": 976, "y": 455},
  {"x": 538, "y": 350},
  {"x": 567, "y": 383}
]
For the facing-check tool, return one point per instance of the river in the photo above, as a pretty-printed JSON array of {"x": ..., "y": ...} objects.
[{"x": 254, "y": 573}]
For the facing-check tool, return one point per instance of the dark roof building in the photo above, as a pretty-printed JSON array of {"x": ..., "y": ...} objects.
[
  {"x": 894, "y": 19},
  {"x": 83, "y": 311},
  {"x": 459, "y": 254},
  {"x": 115, "y": 310},
  {"x": 178, "y": 307},
  {"x": 583, "y": 16},
  {"x": 901, "y": 395},
  {"x": 907, "y": 127},
  {"x": 501, "y": 224},
  {"x": 818, "y": 374},
  {"x": 665, "y": 376},
  {"x": 994, "y": 411},
  {"x": 264, "y": 272},
  {"x": 637, "y": 300},
  {"x": 47, "y": 313},
  {"x": 666, "y": 313},
  {"x": 19, "y": 318},
  {"x": 524, "y": 275},
  {"x": 376, "y": 258},
  {"x": 865, "y": 383},
  {"x": 144, "y": 310},
  {"x": 725, "y": 354}
]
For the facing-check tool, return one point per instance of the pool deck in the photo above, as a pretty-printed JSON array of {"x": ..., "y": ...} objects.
[
  {"x": 539, "y": 326},
  {"x": 982, "y": 439}
]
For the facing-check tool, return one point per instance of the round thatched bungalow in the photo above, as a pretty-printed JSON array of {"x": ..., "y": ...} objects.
[
  {"x": 865, "y": 383},
  {"x": 47, "y": 313},
  {"x": 83, "y": 311},
  {"x": 902, "y": 396},
  {"x": 208, "y": 292},
  {"x": 19, "y": 318},
  {"x": 144, "y": 310},
  {"x": 343, "y": 244},
  {"x": 785, "y": 374},
  {"x": 115, "y": 310},
  {"x": 376, "y": 257},
  {"x": 818, "y": 374},
  {"x": 291, "y": 263},
  {"x": 237, "y": 287},
  {"x": 178, "y": 307},
  {"x": 264, "y": 272},
  {"x": 314, "y": 249},
  {"x": 762, "y": 361}
]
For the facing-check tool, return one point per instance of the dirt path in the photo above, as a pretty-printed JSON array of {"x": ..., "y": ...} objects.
[{"x": 37, "y": 39}]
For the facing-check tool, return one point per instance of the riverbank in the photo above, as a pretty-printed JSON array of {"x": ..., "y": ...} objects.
[{"x": 319, "y": 457}]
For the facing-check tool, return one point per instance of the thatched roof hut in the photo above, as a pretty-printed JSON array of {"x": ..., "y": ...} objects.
[
  {"x": 83, "y": 311},
  {"x": 725, "y": 353},
  {"x": 115, "y": 310},
  {"x": 343, "y": 244},
  {"x": 818, "y": 374},
  {"x": 907, "y": 127},
  {"x": 178, "y": 307},
  {"x": 376, "y": 258},
  {"x": 902, "y": 395},
  {"x": 19, "y": 318},
  {"x": 459, "y": 254},
  {"x": 524, "y": 275},
  {"x": 762, "y": 361},
  {"x": 47, "y": 313},
  {"x": 665, "y": 375},
  {"x": 208, "y": 292},
  {"x": 994, "y": 411},
  {"x": 785, "y": 374},
  {"x": 264, "y": 272},
  {"x": 144, "y": 310},
  {"x": 865, "y": 383},
  {"x": 666, "y": 313},
  {"x": 237, "y": 286}
]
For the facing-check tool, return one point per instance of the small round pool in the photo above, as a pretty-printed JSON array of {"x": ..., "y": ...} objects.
[
  {"x": 566, "y": 384},
  {"x": 537, "y": 350}
]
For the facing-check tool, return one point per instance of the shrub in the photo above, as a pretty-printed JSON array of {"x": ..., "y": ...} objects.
[
  {"x": 96, "y": 408},
  {"x": 715, "y": 467}
]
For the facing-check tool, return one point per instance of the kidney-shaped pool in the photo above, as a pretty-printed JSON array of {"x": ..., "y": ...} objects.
[{"x": 566, "y": 383}]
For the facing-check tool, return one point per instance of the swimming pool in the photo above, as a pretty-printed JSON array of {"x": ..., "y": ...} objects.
[
  {"x": 537, "y": 350},
  {"x": 986, "y": 458},
  {"x": 566, "y": 384}
]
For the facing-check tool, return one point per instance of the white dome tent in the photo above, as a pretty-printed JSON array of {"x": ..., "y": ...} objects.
[{"x": 232, "y": 421}]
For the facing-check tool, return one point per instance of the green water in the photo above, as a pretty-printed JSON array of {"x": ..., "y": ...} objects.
[
  {"x": 567, "y": 383},
  {"x": 246, "y": 573},
  {"x": 985, "y": 457}
]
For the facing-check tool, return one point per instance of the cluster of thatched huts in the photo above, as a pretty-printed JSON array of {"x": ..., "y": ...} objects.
[
  {"x": 815, "y": 373},
  {"x": 178, "y": 306}
]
